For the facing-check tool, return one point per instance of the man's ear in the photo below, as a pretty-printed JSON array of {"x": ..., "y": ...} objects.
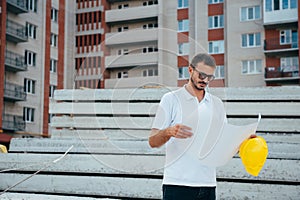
[{"x": 190, "y": 69}]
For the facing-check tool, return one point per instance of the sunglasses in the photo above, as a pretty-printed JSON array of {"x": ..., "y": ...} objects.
[{"x": 203, "y": 76}]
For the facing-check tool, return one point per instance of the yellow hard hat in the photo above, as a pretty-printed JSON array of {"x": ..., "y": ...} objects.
[
  {"x": 3, "y": 149},
  {"x": 254, "y": 152}
]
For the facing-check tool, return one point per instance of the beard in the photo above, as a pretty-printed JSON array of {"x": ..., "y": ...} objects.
[{"x": 200, "y": 85}]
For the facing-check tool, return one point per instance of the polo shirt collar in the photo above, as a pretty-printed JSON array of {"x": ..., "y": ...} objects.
[{"x": 188, "y": 95}]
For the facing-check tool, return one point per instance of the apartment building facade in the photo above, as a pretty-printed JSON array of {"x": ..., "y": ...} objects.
[
  {"x": 255, "y": 43},
  {"x": 33, "y": 58}
]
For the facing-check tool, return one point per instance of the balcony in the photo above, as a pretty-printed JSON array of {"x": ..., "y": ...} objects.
[
  {"x": 279, "y": 17},
  {"x": 140, "y": 36},
  {"x": 286, "y": 75},
  {"x": 131, "y": 60},
  {"x": 17, "y": 6},
  {"x": 14, "y": 62},
  {"x": 15, "y": 32},
  {"x": 13, "y": 123},
  {"x": 272, "y": 46},
  {"x": 13, "y": 92},
  {"x": 131, "y": 14},
  {"x": 131, "y": 82}
]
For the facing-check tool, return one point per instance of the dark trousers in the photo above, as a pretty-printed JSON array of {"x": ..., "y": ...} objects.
[{"x": 176, "y": 192}]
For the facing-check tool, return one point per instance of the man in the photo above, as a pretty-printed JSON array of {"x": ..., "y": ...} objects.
[{"x": 182, "y": 121}]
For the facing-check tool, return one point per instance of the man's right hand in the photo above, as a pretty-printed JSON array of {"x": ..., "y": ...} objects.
[
  {"x": 160, "y": 137},
  {"x": 179, "y": 131}
]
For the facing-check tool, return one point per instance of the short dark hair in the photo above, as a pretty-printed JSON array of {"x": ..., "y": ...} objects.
[{"x": 205, "y": 58}]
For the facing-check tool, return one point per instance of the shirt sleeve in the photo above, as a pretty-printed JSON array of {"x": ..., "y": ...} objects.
[{"x": 163, "y": 117}]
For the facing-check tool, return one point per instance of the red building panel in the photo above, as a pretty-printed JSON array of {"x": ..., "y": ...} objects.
[
  {"x": 272, "y": 62},
  {"x": 182, "y": 14},
  {"x": 182, "y": 37},
  {"x": 216, "y": 34},
  {"x": 219, "y": 58},
  {"x": 47, "y": 67},
  {"x": 61, "y": 45},
  {"x": 182, "y": 61},
  {"x": 215, "y": 9}
]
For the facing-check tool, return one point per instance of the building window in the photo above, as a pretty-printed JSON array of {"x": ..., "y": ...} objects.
[
  {"x": 251, "y": 67},
  {"x": 183, "y": 25},
  {"x": 30, "y": 58},
  {"x": 122, "y": 28},
  {"x": 268, "y": 5},
  {"x": 31, "y": 30},
  {"x": 32, "y": 5},
  {"x": 150, "y": 3},
  {"x": 123, "y": 52},
  {"x": 183, "y": 48},
  {"x": 28, "y": 114},
  {"x": 289, "y": 4},
  {"x": 123, "y": 74},
  {"x": 219, "y": 72},
  {"x": 150, "y": 72},
  {"x": 54, "y": 14},
  {"x": 150, "y": 25},
  {"x": 50, "y": 116},
  {"x": 271, "y": 5},
  {"x": 29, "y": 86},
  {"x": 150, "y": 49},
  {"x": 123, "y": 6},
  {"x": 289, "y": 64},
  {"x": 216, "y": 21},
  {"x": 293, "y": 4},
  {"x": 53, "y": 40},
  {"x": 216, "y": 47},
  {"x": 289, "y": 37},
  {"x": 251, "y": 40},
  {"x": 214, "y": 1},
  {"x": 183, "y": 73},
  {"x": 52, "y": 88},
  {"x": 53, "y": 65},
  {"x": 183, "y": 3},
  {"x": 250, "y": 13}
]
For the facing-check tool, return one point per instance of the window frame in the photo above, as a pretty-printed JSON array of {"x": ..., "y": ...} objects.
[
  {"x": 53, "y": 65},
  {"x": 124, "y": 74},
  {"x": 32, "y": 5},
  {"x": 183, "y": 48},
  {"x": 146, "y": 72},
  {"x": 31, "y": 30},
  {"x": 246, "y": 10},
  {"x": 257, "y": 69},
  {"x": 53, "y": 40},
  {"x": 215, "y": 1},
  {"x": 29, "y": 86},
  {"x": 183, "y": 73},
  {"x": 211, "y": 21},
  {"x": 54, "y": 14},
  {"x": 52, "y": 88},
  {"x": 28, "y": 114},
  {"x": 212, "y": 45},
  {"x": 289, "y": 63},
  {"x": 219, "y": 72},
  {"x": 183, "y": 25},
  {"x": 30, "y": 56},
  {"x": 249, "y": 38},
  {"x": 181, "y": 4}
]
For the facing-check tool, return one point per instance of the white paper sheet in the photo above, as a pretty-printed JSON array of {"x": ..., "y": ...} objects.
[{"x": 222, "y": 148}]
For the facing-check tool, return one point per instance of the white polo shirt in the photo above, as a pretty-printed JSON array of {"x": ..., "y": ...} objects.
[{"x": 182, "y": 166}]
